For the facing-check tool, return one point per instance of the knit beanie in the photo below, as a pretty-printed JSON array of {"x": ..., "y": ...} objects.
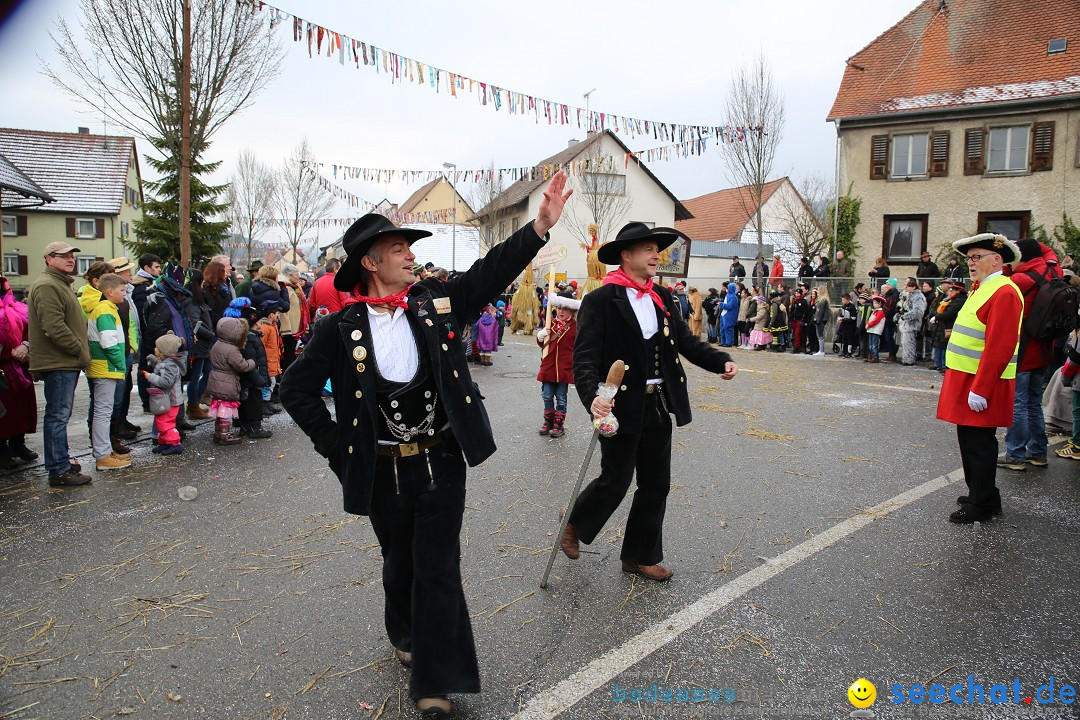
[
  {"x": 168, "y": 344},
  {"x": 236, "y": 307}
]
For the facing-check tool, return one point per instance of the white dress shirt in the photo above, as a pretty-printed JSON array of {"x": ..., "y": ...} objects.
[
  {"x": 394, "y": 345},
  {"x": 645, "y": 311}
]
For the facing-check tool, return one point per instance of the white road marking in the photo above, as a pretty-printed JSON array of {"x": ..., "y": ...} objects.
[
  {"x": 898, "y": 387},
  {"x": 562, "y": 697}
]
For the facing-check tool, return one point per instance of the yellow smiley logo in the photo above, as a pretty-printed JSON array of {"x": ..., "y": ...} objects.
[{"x": 862, "y": 693}]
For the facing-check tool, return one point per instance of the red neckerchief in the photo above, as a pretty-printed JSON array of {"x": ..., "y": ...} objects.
[
  {"x": 618, "y": 277},
  {"x": 395, "y": 300}
]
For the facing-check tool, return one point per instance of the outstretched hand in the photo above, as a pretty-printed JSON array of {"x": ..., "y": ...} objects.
[{"x": 551, "y": 206}]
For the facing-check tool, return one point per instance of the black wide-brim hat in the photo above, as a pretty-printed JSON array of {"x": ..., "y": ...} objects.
[
  {"x": 359, "y": 238},
  {"x": 1003, "y": 246},
  {"x": 630, "y": 235}
]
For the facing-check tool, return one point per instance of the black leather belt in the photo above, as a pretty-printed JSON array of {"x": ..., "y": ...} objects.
[{"x": 413, "y": 448}]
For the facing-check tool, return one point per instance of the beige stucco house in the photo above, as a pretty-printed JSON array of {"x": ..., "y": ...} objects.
[
  {"x": 725, "y": 225},
  {"x": 437, "y": 202},
  {"x": 600, "y": 164},
  {"x": 961, "y": 118},
  {"x": 97, "y": 188}
]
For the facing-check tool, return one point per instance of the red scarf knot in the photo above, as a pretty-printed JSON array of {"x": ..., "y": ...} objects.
[
  {"x": 396, "y": 300},
  {"x": 618, "y": 277}
]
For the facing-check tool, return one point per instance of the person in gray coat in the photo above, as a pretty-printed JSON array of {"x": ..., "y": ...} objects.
[{"x": 911, "y": 319}]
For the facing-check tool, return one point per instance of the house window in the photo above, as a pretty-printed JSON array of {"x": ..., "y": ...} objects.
[
  {"x": 502, "y": 230},
  {"x": 1008, "y": 148},
  {"x": 514, "y": 225},
  {"x": 85, "y": 228},
  {"x": 904, "y": 237},
  {"x": 605, "y": 184},
  {"x": 1013, "y": 224},
  {"x": 909, "y": 155},
  {"x": 83, "y": 263},
  {"x": 125, "y": 228},
  {"x": 11, "y": 226},
  {"x": 11, "y": 264}
]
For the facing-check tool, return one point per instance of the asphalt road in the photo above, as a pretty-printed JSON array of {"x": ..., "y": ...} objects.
[{"x": 806, "y": 526}]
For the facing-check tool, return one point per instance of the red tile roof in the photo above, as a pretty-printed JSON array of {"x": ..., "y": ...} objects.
[
  {"x": 962, "y": 53},
  {"x": 84, "y": 173},
  {"x": 722, "y": 215}
]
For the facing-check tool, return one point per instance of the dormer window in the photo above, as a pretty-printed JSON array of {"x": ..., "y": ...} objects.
[{"x": 1056, "y": 47}]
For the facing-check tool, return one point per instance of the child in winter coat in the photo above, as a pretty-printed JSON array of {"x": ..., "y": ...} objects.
[
  {"x": 252, "y": 384},
  {"x": 875, "y": 326},
  {"x": 760, "y": 338},
  {"x": 227, "y": 364},
  {"x": 167, "y": 366},
  {"x": 487, "y": 335},
  {"x": 845, "y": 331},
  {"x": 267, "y": 327},
  {"x": 728, "y": 313},
  {"x": 556, "y": 363},
  {"x": 108, "y": 366}
]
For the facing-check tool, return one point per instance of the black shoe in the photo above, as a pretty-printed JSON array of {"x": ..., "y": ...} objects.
[
  {"x": 24, "y": 454},
  {"x": 131, "y": 426},
  {"x": 256, "y": 432},
  {"x": 968, "y": 514},
  {"x": 184, "y": 426},
  {"x": 963, "y": 500},
  {"x": 71, "y": 478},
  {"x": 125, "y": 433},
  {"x": 7, "y": 462},
  {"x": 269, "y": 408}
]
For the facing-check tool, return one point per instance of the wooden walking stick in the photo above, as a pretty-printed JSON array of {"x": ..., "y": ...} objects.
[{"x": 608, "y": 389}]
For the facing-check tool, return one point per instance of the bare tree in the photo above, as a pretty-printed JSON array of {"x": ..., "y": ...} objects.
[
  {"x": 133, "y": 64},
  {"x": 755, "y": 104},
  {"x": 300, "y": 200},
  {"x": 127, "y": 63},
  {"x": 250, "y": 198},
  {"x": 486, "y": 194},
  {"x": 803, "y": 211},
  {"x": 600, "y": 198}
]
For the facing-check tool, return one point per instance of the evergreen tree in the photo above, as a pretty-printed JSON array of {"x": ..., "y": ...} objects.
[{"x": 159, "y": 230}]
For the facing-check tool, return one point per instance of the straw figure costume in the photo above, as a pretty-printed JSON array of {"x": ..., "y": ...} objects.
[
  {"x": 596, "y": 269},
  {"x": 525, "y": 306},
  {"x": 633, "y": 320},
  {"x": 408, "y": 420},
  {"x": 980, "y": 377}
]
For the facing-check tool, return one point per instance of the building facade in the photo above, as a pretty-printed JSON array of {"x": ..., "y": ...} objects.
[{"x": 961, "y": 118}]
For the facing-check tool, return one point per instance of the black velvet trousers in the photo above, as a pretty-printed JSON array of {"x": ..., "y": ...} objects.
[
  {"x": 649, "y": 453},
  {"x": 416, "y": 514}
]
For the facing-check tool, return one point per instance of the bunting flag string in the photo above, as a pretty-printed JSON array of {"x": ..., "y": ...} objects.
[
  {"x": 323, "y": 41},
  {"x": 580, "y": 166}
]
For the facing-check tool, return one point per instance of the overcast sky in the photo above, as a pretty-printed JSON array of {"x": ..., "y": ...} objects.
[{"x": 659, "y": 61}]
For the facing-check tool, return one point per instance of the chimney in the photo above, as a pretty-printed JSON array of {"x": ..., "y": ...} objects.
[
  {"x": 84, "y": 131},
  {"x": 572, "y": 143}
]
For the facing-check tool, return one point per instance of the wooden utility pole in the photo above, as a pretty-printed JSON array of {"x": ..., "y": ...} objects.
[{"x": 185, "y": 140}]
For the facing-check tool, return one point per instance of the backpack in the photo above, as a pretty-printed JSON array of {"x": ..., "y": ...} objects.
[{"x": 1053, "y": 313}]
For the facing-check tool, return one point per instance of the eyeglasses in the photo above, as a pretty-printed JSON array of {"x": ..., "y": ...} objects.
[{"x": 976, "y": 258}]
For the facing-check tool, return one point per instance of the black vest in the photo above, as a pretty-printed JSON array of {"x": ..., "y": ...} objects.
[
  {"x": 410, "y": 410},
  {"x": 652, "y": 352}
]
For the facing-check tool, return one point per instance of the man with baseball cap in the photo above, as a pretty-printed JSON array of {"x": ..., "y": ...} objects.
[
  {"x": 408, "y": 420},
  {"x": 980, "y": 376},
  {"x": 631, "y": 319},
  {"x": 59, "y": 350}
]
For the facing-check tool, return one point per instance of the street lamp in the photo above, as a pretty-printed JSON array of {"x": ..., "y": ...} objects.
[{"x": 453, "y": 214}]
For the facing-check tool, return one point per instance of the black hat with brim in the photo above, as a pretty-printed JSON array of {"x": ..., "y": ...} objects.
[
  {"x": 358, "y": 240},
  {"x": 1000, "y": 244},
  {"x": 632, "y": 234}
]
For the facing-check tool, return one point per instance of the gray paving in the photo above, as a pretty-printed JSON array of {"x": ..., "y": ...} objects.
[{"x": 261, "y": 599}]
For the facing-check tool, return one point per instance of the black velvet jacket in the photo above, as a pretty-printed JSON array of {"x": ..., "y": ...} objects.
[
  {"x": 341, "y": 349},
  {"x": 608, "y": 331}
]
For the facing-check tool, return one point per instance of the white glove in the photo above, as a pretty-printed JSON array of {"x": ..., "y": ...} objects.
[
  {"x": 976, "y": 402},
  {"x": 542, "y": 335}
]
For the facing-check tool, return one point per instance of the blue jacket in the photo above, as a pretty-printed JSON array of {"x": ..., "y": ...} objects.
[{"x": 730, "y": 303}]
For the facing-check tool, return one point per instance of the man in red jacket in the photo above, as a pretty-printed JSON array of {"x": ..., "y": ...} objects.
[
  {"x": 324, "y": 295},
  {"x": 1025, "y": 440},
  {"x": 980, "y": 360}
]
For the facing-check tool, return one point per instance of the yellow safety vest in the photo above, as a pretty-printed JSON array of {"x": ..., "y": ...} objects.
[{"x": 968, "y": 338}]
